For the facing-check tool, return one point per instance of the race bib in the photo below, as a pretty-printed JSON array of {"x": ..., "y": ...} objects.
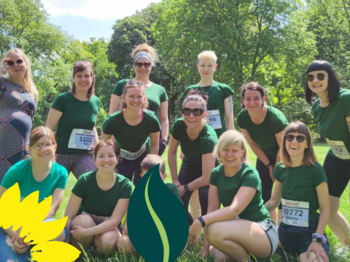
[
  {"x": 213, "y": 119},
  {"x": 81, "y": 139},
  {"x": 295, "y": 213},
  {"x": 339, "y": 149},
  {"x": 132, "y": 155}
]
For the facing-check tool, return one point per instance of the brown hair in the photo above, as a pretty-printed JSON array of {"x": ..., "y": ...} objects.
[
  {"x": 108, "y": 142},
  {"x": 134, "y": 84},
  {"x": 40, "y": 132},
  {"x": 309, "y": 155},
  {"x": 195, "y": 95},
  {"x": 151, "y": 161},
  {"x": 149, "y": 49},
  {"x": 251, "y": 86},
  {"x": 81, "y": 66}
]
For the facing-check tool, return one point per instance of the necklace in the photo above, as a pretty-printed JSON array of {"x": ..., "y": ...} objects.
[{"x": 208, "y": 90}]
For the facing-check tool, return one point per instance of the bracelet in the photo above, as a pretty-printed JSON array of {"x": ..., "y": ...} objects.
[
  {"x": 269, "y": 164},
  {"x": 202, "y": 221},
  {"x": 186, "y": 188},
  {"x": 319, "y": 238}
]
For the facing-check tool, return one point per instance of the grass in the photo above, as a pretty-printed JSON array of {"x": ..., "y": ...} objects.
[{"x": 192, "y": 250}]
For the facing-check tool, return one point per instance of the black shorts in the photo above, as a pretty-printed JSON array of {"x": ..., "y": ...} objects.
[{"x": 338, "y": 175}]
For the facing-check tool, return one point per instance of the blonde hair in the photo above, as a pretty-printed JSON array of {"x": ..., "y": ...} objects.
[
  {"x": 28, "y": 78},
  {"x": 229, "y": 138},
  {"x": 152, "y": 160},
  {"x": 208, "y": 54},
  {"x": 149, "y": 49}
]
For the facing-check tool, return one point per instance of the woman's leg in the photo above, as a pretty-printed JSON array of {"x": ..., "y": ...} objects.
[
  {"x": 194, "y": 204},
  {"x": 106, "y": 243},
  {"x": 6, "y": 252},
  {"x": 203, "y": 193},
  {"x": 124, "y": 245},
  {"x": 337, "y": 222},
  {"x": 84, "y": 221},
  {"x": 238, "y": 238},
  {"x": 82, "y": 163}
]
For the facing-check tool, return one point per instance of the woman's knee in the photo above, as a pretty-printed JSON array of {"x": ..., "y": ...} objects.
[
  {"x": 124, "y": 245},
  {"x": 83, "y": 220},
  {"x": 107, "y": 242}
]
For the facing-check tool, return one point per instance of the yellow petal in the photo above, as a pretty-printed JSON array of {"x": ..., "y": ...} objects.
[
  {"x": 54, "y": 251},
  {"x": 9, "y": 205}
]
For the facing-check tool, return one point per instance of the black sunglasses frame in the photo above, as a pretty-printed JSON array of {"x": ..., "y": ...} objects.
[
  {"x": 195, "y": 111},
  {"x": 145, "y": 65},
  {"x": 319, "y": 76},
  {"x": 12, "y": 63},
  {"x": 300, "y": 138}
]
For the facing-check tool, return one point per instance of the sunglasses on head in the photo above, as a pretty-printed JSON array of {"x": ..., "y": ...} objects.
[
  {"x": 196, "y": 111},
  {"x": 145, "y": 65},
  {"x": 319, "y": 76},
  {"x": 18, "y": 62},
  {"x": 82, "y": 62},
  {"x": 135, "y": 83},
  {"x": 300, "y": 138}
]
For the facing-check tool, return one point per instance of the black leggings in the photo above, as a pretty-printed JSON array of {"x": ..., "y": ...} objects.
[{"x": 186, "y": 176}]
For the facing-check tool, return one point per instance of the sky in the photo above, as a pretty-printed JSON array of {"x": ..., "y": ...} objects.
[{"x": 83, "y": 19}]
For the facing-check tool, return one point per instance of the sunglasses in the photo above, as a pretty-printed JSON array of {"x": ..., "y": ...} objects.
[
  {"x": 145, "y": 65},
  {"x": 196, "y": 111},
  {"x": 300, "y": 138},
  {"x": 135, "y": 83},
  {"x": 319, "y": 76},
  {"x": 18, "y": 62}
]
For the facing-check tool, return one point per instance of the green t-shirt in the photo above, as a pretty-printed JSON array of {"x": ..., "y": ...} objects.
[
  {"x": 22, "y": 174},
  {"x": 127, "y": 137},
  {"x": 173, "y": 188},
  {"x": 155, "y": 94},
  {"x": 331, "y": 124},
  {"x": 193, "y": 150},
  {"x": 228, "y": 187},
  {"x": 264, "y": 134},
  {"x": 299, "y": 184},
  {"x": 217, "y": 93},
  {"x": 76, "y": 114},
  {"x": 96, "y": 201}
]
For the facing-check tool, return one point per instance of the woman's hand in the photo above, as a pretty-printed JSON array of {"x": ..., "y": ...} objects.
[
  {"x": 194, "y": 232},
  {"x": 318, "y": 249},
  {"x": 18, "y": 245},
  {"x": 181, "y": 190},
  {"x": 79, "y": 232},
  {"x": 271, "y": 168}
]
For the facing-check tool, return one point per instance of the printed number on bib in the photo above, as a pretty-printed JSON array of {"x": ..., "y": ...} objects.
[
  {"x": 213, "y": 119},
  {"x": 81, "y": 139},
  {"x": 132, "y": 155},
  {"x": 295, "y": 213},
  {"x": 339, "y": 149}
]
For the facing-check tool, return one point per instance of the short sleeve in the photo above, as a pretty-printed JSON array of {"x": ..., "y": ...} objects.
[
  {"x": 126, "y": 189},
  {"x": 58, "y": 104},
  {"x": 278, "y": 122},
  {"x": 174, "y": 129},
  {"x": 79, "y": 187},
  {"x": 214, "y": 177},
  {"x": 227, "y": 91},
  {"x": 346, "y": 103},
  {"x": 208, "y": 144},
  {"x": 240, "y": 119},
  {"x": 63, "y": 177},
  {"x": 107, "y": 126},
  {"x": 319, "y": 175},
  {"x": 250, "y": 178},
  {"x": 277, "y": 172},
  {"x": 164, "y": 97},
  {"x": 119, "y": 87},
  {"x": 153, "y": 125},
  {"x": 11, "y": 177}
]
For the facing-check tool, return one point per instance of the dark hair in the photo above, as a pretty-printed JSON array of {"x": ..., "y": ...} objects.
[
  {"x": 251, "y": 86},
  {"x": 40, "y": 132},
  {"x": 134, "y": 84},
  {"x": 309, "y": 155},
  {"x": 333, "y": 81},
  {"x": 106, "y": 143},
  {"x": 195, "y": 95},
  {"x": 151, "y": 161},
  {"x": 81, "y": 66}
]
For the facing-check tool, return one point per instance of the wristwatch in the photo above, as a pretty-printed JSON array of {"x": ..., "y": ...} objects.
[
  {"x": 186, "y": 188},
  {"x": 319, "y": 238}
]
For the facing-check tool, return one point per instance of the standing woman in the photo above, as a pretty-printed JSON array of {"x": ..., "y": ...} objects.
[
  {"x": 74, "y": 114},
  {"x": 145, "y": 57},
  {"x": 301, "y": 184},
  {"x": 18, "y": 99},
  {"x": 331, "y": 111},
  {"x": 243, "y": 226},
  {"x": 197, "y": 141},
  {"x": 135, "y": 130},
  {"x": 262, "y": 126}
]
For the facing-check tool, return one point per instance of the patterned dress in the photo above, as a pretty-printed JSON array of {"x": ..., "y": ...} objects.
[{"x": 17, "y": 108}]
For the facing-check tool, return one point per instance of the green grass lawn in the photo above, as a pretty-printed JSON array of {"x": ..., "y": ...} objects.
[{"x": 190, "y": 254}]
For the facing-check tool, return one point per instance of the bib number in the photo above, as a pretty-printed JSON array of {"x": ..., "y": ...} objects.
[
  {"x": 295, "y": 213},
  {"x": 81, "y": 139},
  {"x": 213, "y": 119},
  {"x": 132, "y": 155},
  {"x": 339, "y": 149}
]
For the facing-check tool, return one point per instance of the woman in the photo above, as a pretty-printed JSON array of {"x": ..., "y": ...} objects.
[
  {"x": 145, "y": 57},
  {"x": 243, "y": 226},
  {"x": 18, "y": 99},
  {"x": 74, "y": 114},
  {"x": 135, "y": 130},
  {"x": 331, "y": 112},
  {"x": 37, "y": 173},
  {"x": 98, "y": 203},
  {"x": 301, "y": 183},
  {"x": 262, "y": 126},
  {"x": 197, "y": 141}
]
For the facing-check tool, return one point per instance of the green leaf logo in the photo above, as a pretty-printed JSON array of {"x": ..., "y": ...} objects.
[{"x": 157, "y": 221}]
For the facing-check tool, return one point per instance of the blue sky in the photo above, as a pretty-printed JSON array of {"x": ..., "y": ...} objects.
[{"x": 83, "y": 19}]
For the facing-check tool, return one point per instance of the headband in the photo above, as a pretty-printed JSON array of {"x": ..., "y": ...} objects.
[{"x": 142, "y": 54}]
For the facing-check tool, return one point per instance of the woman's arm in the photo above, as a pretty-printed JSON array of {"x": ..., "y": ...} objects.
[
  {"x": 53, "y": 118},
  {"x": 57, "y": 197},
  {"x": 164, "y": 120},
  {"x": 105, "y": 136},
  {"x": 279, "y": 139},
  {"x": 228, "y": 105},
  {"x": 172, "y": 159},
  {"x": 71, "y": 211},
  {"x": 275, "y": 197},
  {"x": 154, "y": 143},
  {"x": 114, "y": 104},
  {"x": 96, "y": 140}
]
